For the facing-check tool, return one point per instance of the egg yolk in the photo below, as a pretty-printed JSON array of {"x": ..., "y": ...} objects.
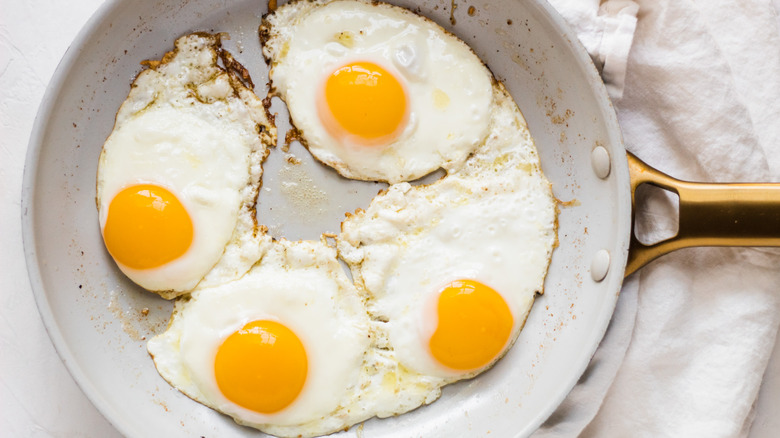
[
  {"x": 474, "y": 325},
  {"x": 365, "y": 102},
  {"x": 147, "y": 227},
  {"x": 261, "y": 367}
]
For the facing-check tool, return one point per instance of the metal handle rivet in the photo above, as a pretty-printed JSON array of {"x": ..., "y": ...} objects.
[
  {"x": 599, "y": 159},
  {"x": 599, "y": 266}
]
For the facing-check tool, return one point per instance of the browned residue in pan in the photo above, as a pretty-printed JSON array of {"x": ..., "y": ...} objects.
[
  {"x": 271, "y": 5},
  {"x": 559, "y": 119},
  {"x": 267, "y": 105},
  {"x": 574, "y": 202},
  {"x": 236, "y": 68},
  {"x": 264, "y": 34},
  {"x": 293, "y": 134},
  {"x": 472, "y": 10},
  {"x": 452, "y": 12}
]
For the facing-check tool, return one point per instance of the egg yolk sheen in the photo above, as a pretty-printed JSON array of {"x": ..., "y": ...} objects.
[
  {"x": 261, "y": 367},
  {"x": 147, "y": 227},
  {"x": 365, "y": 102},
  {"x": 474, "y": 325}
]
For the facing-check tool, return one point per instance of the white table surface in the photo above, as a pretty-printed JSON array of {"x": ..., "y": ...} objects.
[{"x": 38, "y": 398}]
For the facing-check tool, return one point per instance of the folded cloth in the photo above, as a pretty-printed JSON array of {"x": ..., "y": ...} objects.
[
  {"x": 606, "y": 30},
  {"x": 700, "y": 100}
]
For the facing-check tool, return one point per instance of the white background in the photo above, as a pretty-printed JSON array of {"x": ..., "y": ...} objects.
[{"x": 38, "y": 398}]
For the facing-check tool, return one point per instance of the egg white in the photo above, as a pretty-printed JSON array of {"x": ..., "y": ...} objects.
[
  {"x": 301, "y": 285},
  {"x": 493, "y": 221},
  {"x": 193, "y": 128},
  {"x": 448, "y": 87}
]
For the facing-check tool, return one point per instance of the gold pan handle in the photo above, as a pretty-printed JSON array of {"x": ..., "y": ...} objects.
[{"x": 711, "y": 214}]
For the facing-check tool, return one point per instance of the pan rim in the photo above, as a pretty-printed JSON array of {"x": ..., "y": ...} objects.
[
  {"x": 29, "y": 242},
  {"x": 619, "y": 167}
]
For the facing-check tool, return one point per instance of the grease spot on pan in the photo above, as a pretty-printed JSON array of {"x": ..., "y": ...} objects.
[{"x": 135, "y": 321}]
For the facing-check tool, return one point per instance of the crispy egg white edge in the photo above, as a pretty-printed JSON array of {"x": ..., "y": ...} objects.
[
  {"x": 275, "y": 37},
  {"x": 247, "y": 243}
]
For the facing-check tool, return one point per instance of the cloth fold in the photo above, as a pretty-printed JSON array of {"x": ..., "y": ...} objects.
[
  {"x": 698, "y": 97},
  {"x": 606, "y": 30}
]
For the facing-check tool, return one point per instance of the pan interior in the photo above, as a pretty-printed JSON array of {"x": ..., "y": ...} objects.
[{"x": 97, "y": 318}]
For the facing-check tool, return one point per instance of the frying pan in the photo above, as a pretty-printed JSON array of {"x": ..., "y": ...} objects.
[{"x": 99, "y": 321}]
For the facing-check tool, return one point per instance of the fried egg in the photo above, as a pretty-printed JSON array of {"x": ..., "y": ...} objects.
[
  {"x": 178, "y": 176},
  {"x": 281, "y": 349},
  {"x": 450, "y": 270},
  {"x": 376, "y": 91}
]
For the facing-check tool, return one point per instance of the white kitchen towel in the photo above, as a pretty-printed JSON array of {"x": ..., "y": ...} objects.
[
  {"x": 700, "y": 101},
  {"x": 606, "y": 29}
]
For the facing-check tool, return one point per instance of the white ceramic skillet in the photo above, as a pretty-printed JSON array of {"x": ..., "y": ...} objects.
[{"x": 99, "y": 321}]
